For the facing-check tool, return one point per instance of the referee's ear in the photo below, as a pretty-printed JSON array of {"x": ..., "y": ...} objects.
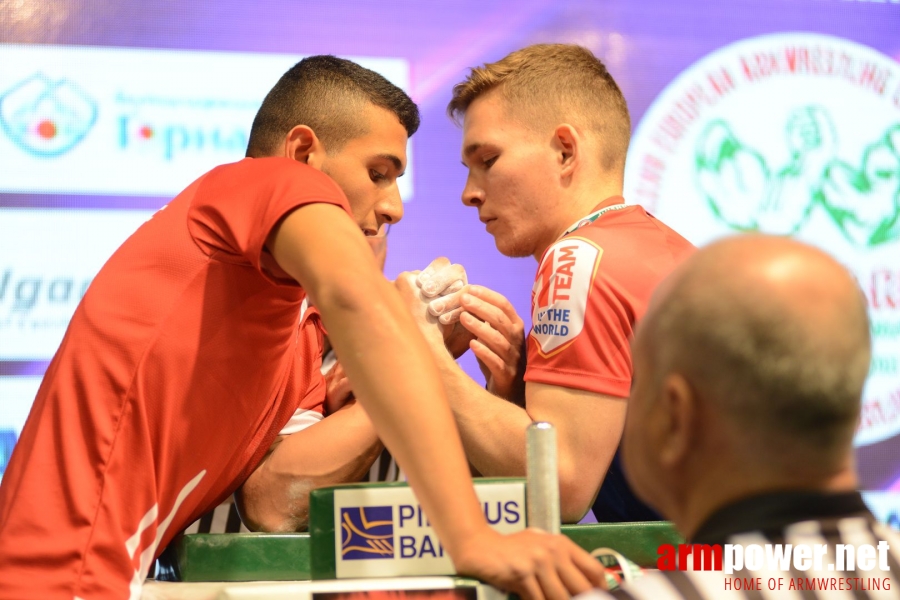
[
  {"x": 678, "y": 409},
  {"x": 303, "y": 145}
]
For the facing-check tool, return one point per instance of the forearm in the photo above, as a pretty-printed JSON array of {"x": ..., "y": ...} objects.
[
  {"x": 492, "y": 429},
  {"x": 420, "y": 434},
  {"x": 338, "y": 449},
  {"x": 388, "y": 363}
]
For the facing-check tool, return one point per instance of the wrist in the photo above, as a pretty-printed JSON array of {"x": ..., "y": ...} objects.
[
  {"x": 467, "y": 543},
  {"x": 444, "y": 358}
]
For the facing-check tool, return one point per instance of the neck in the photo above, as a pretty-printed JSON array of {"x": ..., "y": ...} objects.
[
  {"x": 576, "y": 203},
  {"x": 717, "y": 490}
]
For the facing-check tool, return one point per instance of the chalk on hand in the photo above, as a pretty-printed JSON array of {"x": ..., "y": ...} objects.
[
  {"x": 452, "y": 316},
  {"x": 443, "y": 281},
  {"x": 445, "y": 304},
  {"x": 425, "y": 275}
]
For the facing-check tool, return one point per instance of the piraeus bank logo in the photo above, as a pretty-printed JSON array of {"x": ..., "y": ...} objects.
[
  {"x": 46, "y": 117},
  {"x": 367, "y": 532},
  {"x": 789, "y": 134},
  {"x": 382, "y": 531},
  {"x": 560, "y": 293}
]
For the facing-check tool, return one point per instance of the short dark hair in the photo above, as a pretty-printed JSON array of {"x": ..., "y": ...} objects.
[{"x": 326, "y": 94}]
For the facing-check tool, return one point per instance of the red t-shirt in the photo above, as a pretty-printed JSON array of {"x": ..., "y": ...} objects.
[
  {"x": 591, "y": 288},
  {"x": 181, "y": 364}
]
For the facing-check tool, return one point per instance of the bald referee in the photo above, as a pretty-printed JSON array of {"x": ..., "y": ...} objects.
[{"x": 749, "y": 369}]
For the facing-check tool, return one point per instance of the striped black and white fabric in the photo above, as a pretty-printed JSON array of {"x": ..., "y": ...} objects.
[
  {"x": 776, "y": 523},
  {"x": 222, "y": 519},
  {"x": 385, "y": 469}
]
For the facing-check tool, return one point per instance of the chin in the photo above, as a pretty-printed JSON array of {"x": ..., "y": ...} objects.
[{"x": 512, "y": 247}]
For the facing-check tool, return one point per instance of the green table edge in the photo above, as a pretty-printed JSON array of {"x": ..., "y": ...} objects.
[
  {"x": 637, "y": 541},
  {"x": 290, "y": 556},
  {"x": 237, "y": 557}
]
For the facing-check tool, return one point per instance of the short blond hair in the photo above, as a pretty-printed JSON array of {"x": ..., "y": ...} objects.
[{"x": 547, "y": 84}]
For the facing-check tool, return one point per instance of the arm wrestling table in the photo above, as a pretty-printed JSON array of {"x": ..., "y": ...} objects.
[
  {"x": 278, "y": 565},
  {"x": 369, "y": 541}
]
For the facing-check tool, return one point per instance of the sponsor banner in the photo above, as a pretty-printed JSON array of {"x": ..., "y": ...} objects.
[
  {"x": 791, "y": 134},
  {"x": 16, "y": 397},
  {"x": 408, "y": 588},
  {"x": 560, "y": 292},
  {"x": 383, "y": 531},
  {"x": 134, "y": 122},
  {"x": 47, "y": 260}
]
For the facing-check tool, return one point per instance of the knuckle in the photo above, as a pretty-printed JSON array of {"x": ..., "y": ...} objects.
[
  {"x": 542, "y": 554},
  {"x": 522, "y": 571}
]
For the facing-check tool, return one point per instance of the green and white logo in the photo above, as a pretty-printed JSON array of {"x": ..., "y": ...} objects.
[{"x": 794, "y": 134}]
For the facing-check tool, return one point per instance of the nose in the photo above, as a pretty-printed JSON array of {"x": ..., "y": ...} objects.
[
  {"x": 389, "y": 208},
  {"x": 472, "y": 194}
]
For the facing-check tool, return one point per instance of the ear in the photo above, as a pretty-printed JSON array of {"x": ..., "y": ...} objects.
[
  {"x": 567, "y": 144},
  {"x": 303, "y": 145},
  {"x": 678, "y": 406}
]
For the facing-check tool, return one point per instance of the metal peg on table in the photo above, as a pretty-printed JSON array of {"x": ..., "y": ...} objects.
[{"x": 542, "y": 487}]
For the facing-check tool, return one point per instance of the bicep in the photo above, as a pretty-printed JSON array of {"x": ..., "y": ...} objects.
[{"x": 589, "y": 426}]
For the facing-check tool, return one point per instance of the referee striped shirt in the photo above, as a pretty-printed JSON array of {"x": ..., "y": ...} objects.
[{"x": 797, "y": 518}]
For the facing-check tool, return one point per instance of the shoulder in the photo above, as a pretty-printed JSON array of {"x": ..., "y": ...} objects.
[
  {"x": 650, "y": 230},
  {"x": 561, "y": 290},
  {"x": 275, "y": 172},
  {"x": 637, "y": 241},
  {"x": 566, "y": 273},
  {"x": 571, "y": 253}
]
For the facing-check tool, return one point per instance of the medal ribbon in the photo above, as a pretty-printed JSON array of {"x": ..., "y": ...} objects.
[{"x": 593, "y": 217}]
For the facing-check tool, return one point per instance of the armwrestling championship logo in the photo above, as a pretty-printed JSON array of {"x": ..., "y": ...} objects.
[{"x": 790, "y": 134}]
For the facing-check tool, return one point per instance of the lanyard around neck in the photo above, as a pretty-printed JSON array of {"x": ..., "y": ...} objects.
[{"x": 593, "y": 217}]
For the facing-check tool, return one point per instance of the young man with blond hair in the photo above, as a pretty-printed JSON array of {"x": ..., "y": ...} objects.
[{"x": 545, "y": 134}]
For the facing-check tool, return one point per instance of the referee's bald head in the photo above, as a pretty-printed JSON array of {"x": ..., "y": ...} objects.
[{"x": 768, "y": 340}]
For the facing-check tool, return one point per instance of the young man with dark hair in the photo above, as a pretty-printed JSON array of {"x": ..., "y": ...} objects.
[
  {"x": 545, "y": 134},
  {"x": 200, "y": 337},
  {"x": 749, "y": 369}
]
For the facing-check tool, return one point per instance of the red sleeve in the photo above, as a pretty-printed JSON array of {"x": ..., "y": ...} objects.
[
  {"x": 580, "y": 329},
  {"x": 237, "y": 205}
]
